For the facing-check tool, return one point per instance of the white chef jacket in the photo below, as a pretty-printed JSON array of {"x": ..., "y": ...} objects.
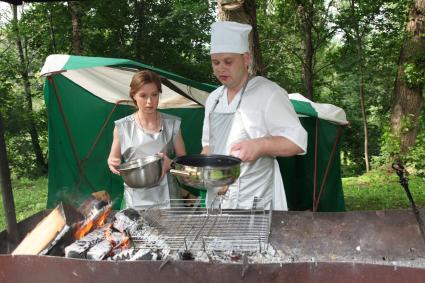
[{"x": 265, "y": 111}]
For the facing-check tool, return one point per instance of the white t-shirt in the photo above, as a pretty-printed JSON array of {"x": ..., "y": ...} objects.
[{"x": 265, "y": 110}]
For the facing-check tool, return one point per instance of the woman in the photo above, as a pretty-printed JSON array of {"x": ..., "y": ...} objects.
[{"x": 144, "y": 133}]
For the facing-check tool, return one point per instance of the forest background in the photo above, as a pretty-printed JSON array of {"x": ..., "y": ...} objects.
[{"x": 365, "y": 56}]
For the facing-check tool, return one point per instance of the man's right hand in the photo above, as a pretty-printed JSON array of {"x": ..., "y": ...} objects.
[{"x": 223, "y": 190}]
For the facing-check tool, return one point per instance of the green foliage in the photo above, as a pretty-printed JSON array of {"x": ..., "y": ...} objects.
[
  {"x": 23, "y": 164},
  {"x": 414, "y": 159},
  {"x": 367, "y": 56},
  {"x": 30, "y": 197},
  {"x": 169, "y": 34},
  {"x": 355, "y": 46},
  {"x": 414, "y": 74},
  {"x": 390, "y": 147},
  {"x": 380, "y": 189},
  {"x": 281, "y": 28},
  {"x": 14, "y": 105}
]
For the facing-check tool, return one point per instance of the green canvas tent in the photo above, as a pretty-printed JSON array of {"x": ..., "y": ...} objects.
[{"x": 85, "y": 95}]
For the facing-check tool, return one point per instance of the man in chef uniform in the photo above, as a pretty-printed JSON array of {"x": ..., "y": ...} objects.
[{"x": 249, "y": 117}]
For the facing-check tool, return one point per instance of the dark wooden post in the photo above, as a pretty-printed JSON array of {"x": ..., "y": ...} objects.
[{"x": 6, "y": 190}]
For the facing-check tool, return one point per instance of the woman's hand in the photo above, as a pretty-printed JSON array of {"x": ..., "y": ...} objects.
[
  {"x": 166, "y": 164},
  {"x": 113, "y": 163},
  {"x": 114, "y": 159}
]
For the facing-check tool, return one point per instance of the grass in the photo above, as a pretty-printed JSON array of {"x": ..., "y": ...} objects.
[
  {"x": 30, "y": 197},
  {"x": 376, "y": 190},
  {"x": 379, "y": 190}
]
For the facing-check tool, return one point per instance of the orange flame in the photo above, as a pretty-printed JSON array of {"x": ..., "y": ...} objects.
[
  {"x": 101, "y": 219},
  {"x": 83, "y": 230},
  {"x": 125, "y": 243},
  {"x": 90, "y": 223}
]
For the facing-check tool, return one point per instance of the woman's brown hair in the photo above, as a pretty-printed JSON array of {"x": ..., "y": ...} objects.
[{"x": 141, "y": 78}]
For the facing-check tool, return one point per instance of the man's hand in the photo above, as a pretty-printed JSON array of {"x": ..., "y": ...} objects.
[
  {"x": 113, "y": 163},
  {"x": 223, "y": 190},
  {"x": 248, "y": 151},
  {"x": 251, "y": 150}
]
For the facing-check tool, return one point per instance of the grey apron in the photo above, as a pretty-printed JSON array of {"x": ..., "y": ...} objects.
[
  {"x": 226, "y": 129},
  {"x": 136, "y": 143}
]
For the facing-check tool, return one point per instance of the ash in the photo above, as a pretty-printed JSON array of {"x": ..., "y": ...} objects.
[
  {"x": 180, "y": 233},
  {"x": 269, "y": 255},
  {"x": 200, "y": 234}
]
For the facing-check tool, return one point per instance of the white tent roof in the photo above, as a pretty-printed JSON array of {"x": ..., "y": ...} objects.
[
  {"x": 112, "y": 84},
  {"x": 107, "y": 79}
]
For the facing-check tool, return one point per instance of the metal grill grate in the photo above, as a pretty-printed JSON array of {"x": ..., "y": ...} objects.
[{"x": 173, "y": 226}]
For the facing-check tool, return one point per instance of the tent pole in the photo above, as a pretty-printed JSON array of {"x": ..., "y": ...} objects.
[
  {"x": 71, "y": 140},
  {"x": 6, "y": 190},
  {"x": 65, "y": 121},
  {"x": 102, "y": 129},
  {"x": 325, "y": 176},
  {"x": 316, "y": 142}
]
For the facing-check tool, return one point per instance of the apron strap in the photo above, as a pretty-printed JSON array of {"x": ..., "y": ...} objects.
[{"x": 222, "y": 93}]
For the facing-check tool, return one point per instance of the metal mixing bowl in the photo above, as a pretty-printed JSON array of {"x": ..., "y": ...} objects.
[{"x": 143, "y": 172}]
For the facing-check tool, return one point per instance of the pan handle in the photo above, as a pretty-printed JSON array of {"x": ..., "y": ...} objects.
[
  {"x": 173, "y": 164},
  {"x": 180, "y": 173}
]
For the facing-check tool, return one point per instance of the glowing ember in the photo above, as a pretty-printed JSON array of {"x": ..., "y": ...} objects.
[{"x": 118, "y": 240}]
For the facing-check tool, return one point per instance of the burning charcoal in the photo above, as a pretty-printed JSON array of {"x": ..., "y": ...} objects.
[
  {"x": 131, "y": 213},
  {"x": 186, "y": 255},
  {"x": 123, "y": 255},
  {"x": 144, "y": 254},
  {"x": 234, "y": 256},
  {"x": 100, "y": 250},
  {"x": 119, "y": 241},
  {"x": 96, "y": 201},
  {"x": 100, "y": 204},
  {"x": 160, "y": 254},
  {"x": 148, "y": 256},
  {"x": 203, "y": 256},
  {"x": 79, "y": 248},
  {"x": 126, "y": 220}
]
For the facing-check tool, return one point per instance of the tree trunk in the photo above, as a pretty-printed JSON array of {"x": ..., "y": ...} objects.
[
  {"x": 360, "y": 71},
  {"x": 51, "y": 30},
  {"x": 139, "y": 7},
  {"x": 245, "y": 13},
  {"x": 76, "y": 27},
  {"x": 364, "y": 118},
  {"x": 27, "y": 91},
  {"x": 307, "y": 13},
  {"x": 6, "y": 189},
  {"x": 407, "y": 96}
]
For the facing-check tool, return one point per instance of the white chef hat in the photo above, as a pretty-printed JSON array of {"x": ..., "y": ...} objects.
[{"x": 229, "y": 37}]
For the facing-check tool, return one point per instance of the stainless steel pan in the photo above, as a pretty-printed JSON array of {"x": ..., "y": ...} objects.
[{"x": 206, "y": 171}]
